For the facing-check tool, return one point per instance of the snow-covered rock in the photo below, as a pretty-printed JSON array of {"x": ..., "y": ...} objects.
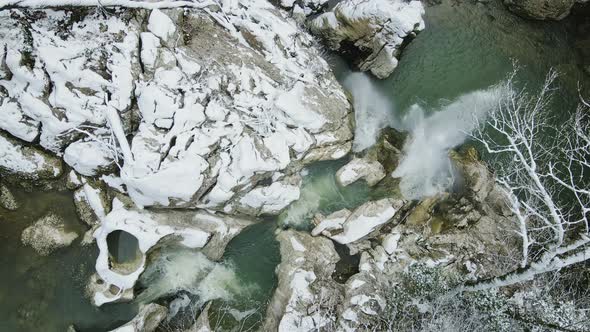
[
  {"x": 27, "y": 162},
  {"x": 48, "y": 234},
  {"x": 271, "y": 199},
  {"x": 345, "y": 227},
  {"x": 377, "y": 28},
  {"x": 147, "y": 319},
  {"x": 304, "y": 8},
  {"x": 331, "y": 223},
  {"x": 360, "y": 168},
  {"x": 88, "y": 158},
  {"x": 390, "y": 242},
  {"x": 15, "y": 122},
  {"x": 92, "y": 203},
  {"x": 305, "y": 282},
  {"x": 242, "y": 98},
  {"x": 61, "y": 85},
  {"x": 190, "y": 229}
]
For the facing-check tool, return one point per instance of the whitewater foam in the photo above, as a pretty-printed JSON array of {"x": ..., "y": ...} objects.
[
  {"x": 372, "y": 110},
  {"x": 190, "y": 271},
  {"x": 425, "y": 169}
]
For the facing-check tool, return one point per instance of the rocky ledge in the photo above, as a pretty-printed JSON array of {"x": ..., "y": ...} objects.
[
  {"x": 351, "y": 284},
  {"x": 372, "y": 32},
  {"x": 220, "y": 100}
]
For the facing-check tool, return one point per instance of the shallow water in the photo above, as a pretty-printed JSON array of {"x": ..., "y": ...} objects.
[
  {"x": 320, "y": 193},
  {"x": 46, "y": 293},
  {"x": 466, "y": 47}
]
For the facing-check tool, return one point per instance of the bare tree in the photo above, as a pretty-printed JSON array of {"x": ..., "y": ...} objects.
[{"x": 544, "y": 169}]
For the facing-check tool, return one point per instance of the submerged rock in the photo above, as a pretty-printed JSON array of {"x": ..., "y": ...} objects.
[
  {"x": 147, "y": 320},
  {"x": 375, "y": 30},
  {"x": 7, "y": 199},
  {"x": 47, "y": 235},
  {"x": 541, "y": 9}
]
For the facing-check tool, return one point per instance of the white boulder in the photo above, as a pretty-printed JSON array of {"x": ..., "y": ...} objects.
[
  {"x": 345, "y": 227},
  {"x": 7, "y": 199},
  {"x": 271, "y": 199},
  {"x": 88, "y": 158},
  {"x": 360, "y": 168}
]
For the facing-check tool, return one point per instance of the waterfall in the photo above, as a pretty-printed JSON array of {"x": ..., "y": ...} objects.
[
  {"x": 372, "y": 110},
  {"x": 425, "y": 169}
]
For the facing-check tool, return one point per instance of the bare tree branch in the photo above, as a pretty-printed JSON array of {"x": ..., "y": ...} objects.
[{"x": 544, "y": 172}]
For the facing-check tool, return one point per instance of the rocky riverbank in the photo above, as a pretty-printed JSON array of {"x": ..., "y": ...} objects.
[{"x": 183, "y": 127}]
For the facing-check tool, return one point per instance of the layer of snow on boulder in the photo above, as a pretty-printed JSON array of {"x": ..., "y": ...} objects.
[
  {"x": 305, "y": 261},
  {"x": 362, "y": 221},
  {"x": 87, "y": 158},
  {"x": 360, "y": 168},
  {"x": 26, "y": 161},
  {"x": 332, "y": 222},
  {"x": 390, "y": 242},
  {"x": 210, "y": 119},
  {"x": 271, "y": 199},
  {"x": 91, "y": 196}
]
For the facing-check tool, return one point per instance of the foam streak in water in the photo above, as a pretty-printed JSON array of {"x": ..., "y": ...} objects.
[
  {"x": 372, "y": 110},
  {"x": 190, "y": 271},
  {"x": 425, "y": 169}
]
